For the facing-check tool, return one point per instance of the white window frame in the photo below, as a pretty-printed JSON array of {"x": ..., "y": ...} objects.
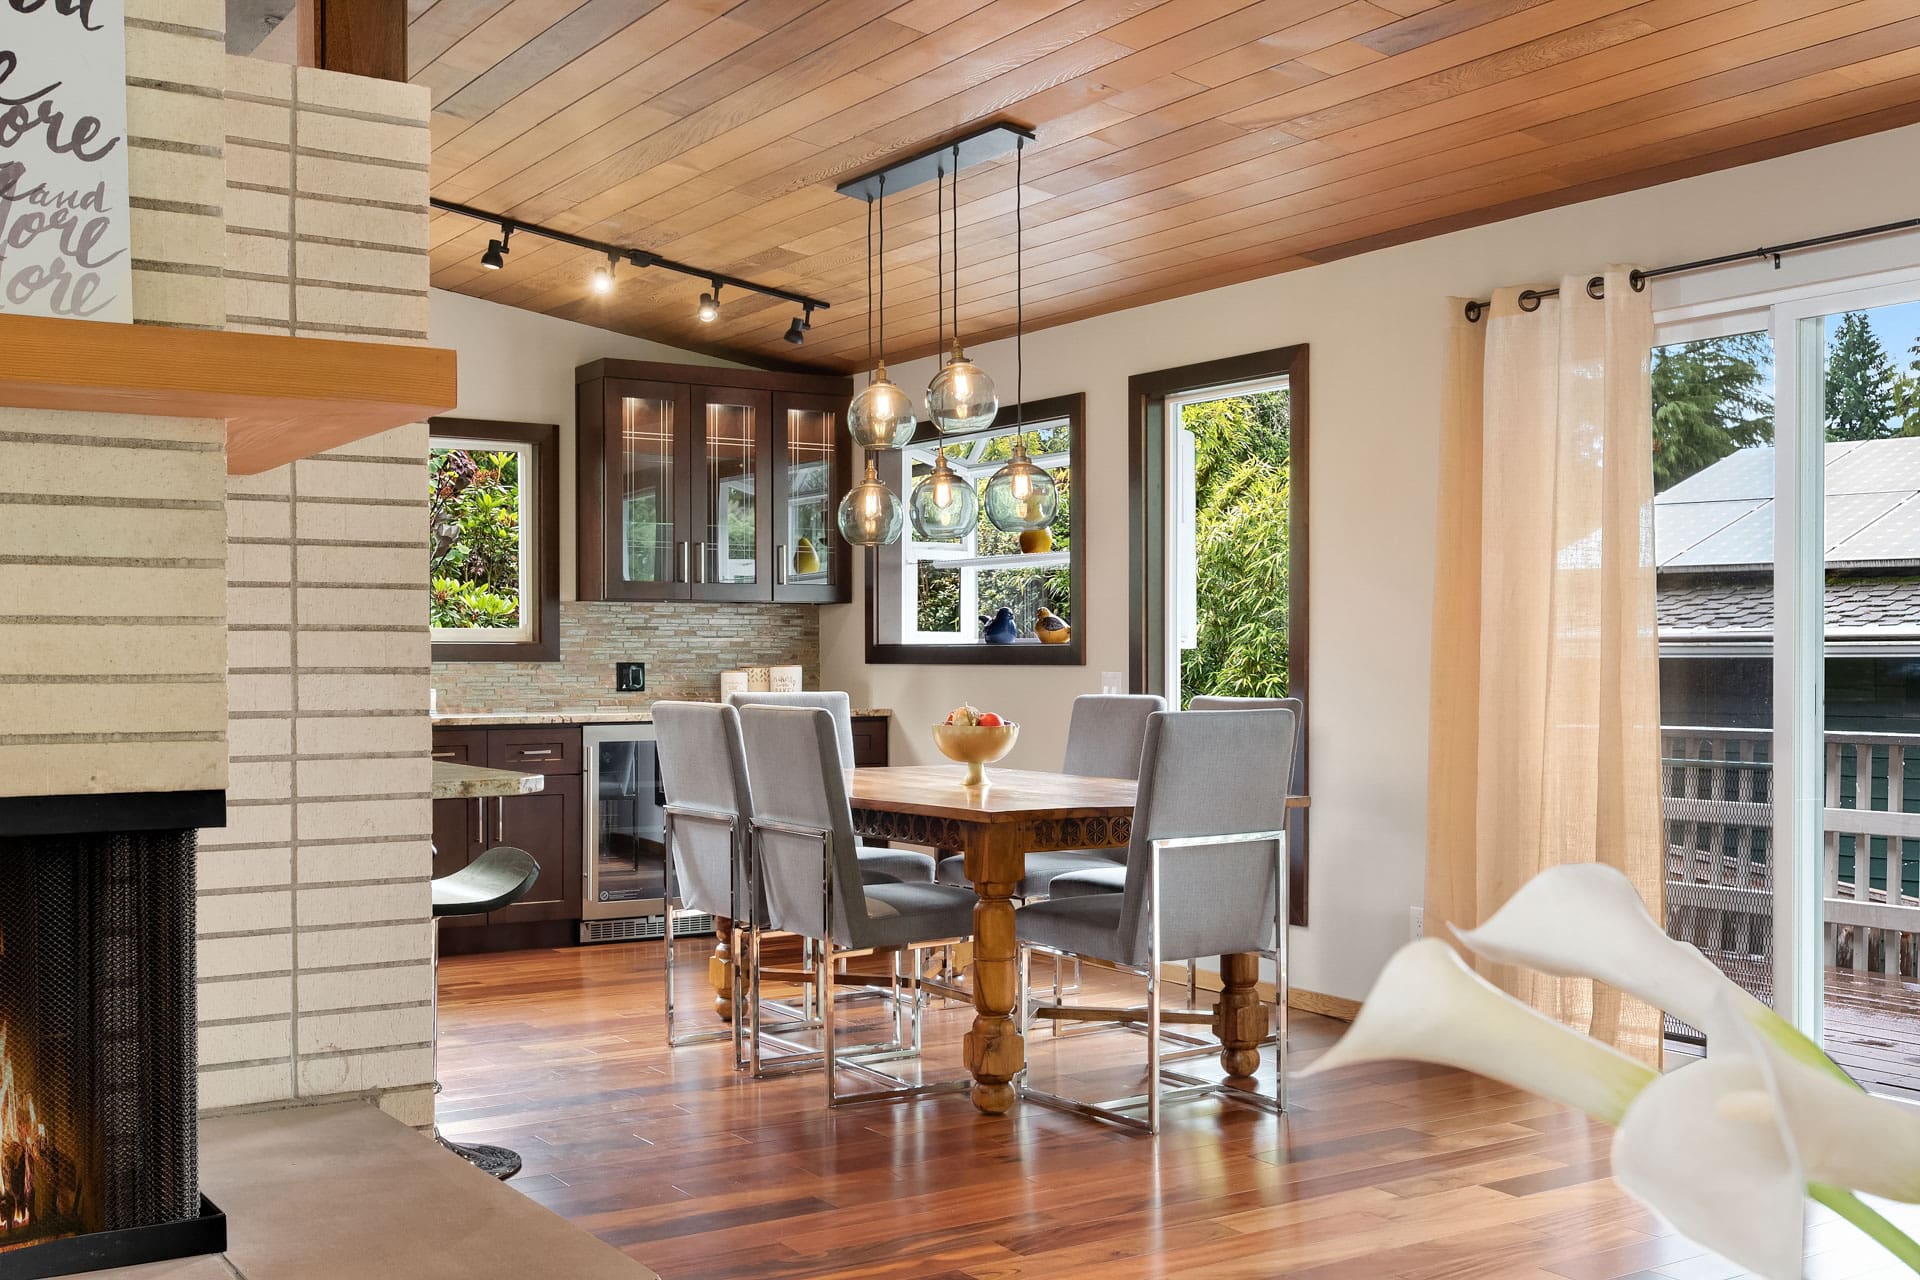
[
  {"x": 1823, "y": 283},
  {"x": 528, "y": 630},
  {"x": 961, "y": 554}
]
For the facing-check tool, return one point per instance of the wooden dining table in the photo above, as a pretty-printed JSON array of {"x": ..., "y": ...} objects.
[{"x": 996, "y": 825}]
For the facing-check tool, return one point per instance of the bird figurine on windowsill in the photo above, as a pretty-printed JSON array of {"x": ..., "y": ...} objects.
[
  {"x": 1000, "y": 628},
  {"x": 1051, "y": 627}
]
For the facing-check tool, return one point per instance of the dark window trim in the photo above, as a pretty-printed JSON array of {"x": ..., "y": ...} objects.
[
  {"x": 1147, "y": 529},
  {"x": 1071, "y": 654},
  {"x": 545, "y": 439}
]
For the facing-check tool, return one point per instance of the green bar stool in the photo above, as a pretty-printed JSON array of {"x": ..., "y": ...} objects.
[{"x": 497, "y": 878}]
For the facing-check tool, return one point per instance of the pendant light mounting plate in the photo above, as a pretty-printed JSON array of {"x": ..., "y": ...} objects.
[{"x": 987, "y": 143}]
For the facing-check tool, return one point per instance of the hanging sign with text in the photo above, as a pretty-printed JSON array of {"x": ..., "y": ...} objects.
[{"x": 65, "y": 243}]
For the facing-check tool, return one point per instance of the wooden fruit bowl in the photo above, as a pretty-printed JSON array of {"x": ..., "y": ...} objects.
[{"x": 975, "y": 746}]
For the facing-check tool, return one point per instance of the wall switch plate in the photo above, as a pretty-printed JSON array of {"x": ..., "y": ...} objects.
[
  {"x": 629, "y": 677},
  {"x": 1113, "y": 682},
  {"x": 1416, "y": 923}
]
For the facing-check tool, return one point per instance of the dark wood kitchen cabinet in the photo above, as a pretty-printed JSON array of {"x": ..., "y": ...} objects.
[
  {"x": 546, "y": 823},
  {"x": 713, "y": 484}
]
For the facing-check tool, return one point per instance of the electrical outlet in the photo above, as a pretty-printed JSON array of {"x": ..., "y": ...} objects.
[
  {"x": 1113, "y": 682},
  {"x": 1416, "y": 923},
  {"x": 629, "y": 677}
]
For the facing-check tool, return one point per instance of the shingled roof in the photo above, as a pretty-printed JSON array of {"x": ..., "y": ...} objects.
[{"x": 1713, "y": 540}]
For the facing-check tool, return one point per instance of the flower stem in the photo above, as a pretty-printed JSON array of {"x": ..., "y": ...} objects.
[{"x": 1860, "y": 1214}]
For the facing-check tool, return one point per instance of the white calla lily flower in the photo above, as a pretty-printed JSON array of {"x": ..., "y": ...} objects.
[
  {"x": 1704, "y": 1147},
  {"x": 1586, "y": 920},
  {"x": 1429, "y": 1007}
]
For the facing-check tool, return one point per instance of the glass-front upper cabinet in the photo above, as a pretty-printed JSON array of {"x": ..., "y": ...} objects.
[
  {"x": 701, "y": 483},
  {"x": 811, "y": 473},
  {"x": 633, "y": 452},
  {"x": 731, "y": 560}
]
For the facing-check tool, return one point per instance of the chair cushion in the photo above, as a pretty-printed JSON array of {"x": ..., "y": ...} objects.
[
  {"x": 899, "y": 866},
  {"x": 1041, "y": 868},
  {"x": 902, "y": 915},
  {"x": 1079, "y": 884},
  {"x": 1087, "y": 925}
]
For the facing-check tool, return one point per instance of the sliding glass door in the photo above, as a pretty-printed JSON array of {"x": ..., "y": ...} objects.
[{"x": 1788, "y": 544}]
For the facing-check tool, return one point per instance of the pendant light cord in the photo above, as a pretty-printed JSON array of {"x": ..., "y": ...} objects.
[
  {"x": 940, "y": 262},
  {"x": 956, "y": 246},
  {"x": 869, "y": 290},
  {"x": 883, "y": 269},
  {"x": 1019, "y": 296}
]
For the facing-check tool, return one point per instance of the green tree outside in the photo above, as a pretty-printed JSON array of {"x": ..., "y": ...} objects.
[
  {"x": 1242, "y": 496},
  {"x": 474, "y": 548},
  {"x": 1710, "y": 398},
  {"x": 1861, "y": 382}
]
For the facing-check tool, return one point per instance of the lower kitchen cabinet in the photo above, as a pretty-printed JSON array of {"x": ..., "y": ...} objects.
[{"x": 547, "y": 825}]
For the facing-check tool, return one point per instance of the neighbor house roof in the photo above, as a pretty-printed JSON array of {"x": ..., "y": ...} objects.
[{"x": 1713, "y": 542}]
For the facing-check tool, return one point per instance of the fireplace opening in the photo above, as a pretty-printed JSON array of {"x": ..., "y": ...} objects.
[{"x": 98, "y": 1096}]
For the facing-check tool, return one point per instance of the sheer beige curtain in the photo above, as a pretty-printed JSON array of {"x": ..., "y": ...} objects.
[{"x": 1545, "y": 738}]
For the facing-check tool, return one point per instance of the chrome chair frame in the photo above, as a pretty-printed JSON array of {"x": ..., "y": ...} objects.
[
  {"x": 676, "y": 813},
  {"x": 1116, "y": 1110},
  {"x": 906, "y": 1040}
]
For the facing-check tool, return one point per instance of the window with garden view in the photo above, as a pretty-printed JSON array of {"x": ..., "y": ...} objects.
[{"x": 492, "y": 540}]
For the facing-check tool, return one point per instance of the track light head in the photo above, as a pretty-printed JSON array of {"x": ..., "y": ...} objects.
[
  {"x": 603, "y": 276},
  {"x": 797, "y": 331},
  {"x": 710, "y": 305},
  {"x": 496, "y": 255}
]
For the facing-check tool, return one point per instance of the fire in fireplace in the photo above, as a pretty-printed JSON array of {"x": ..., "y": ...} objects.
[{"x": 98, "y": 1123}]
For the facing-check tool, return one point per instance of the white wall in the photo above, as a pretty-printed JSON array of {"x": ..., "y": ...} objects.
[
  {"x": 1375, "y": 326},
  {"x": 517, "y": 366}
]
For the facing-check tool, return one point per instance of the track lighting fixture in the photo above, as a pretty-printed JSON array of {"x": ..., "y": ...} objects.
[
  {"x": 602, "y": 280},
  {"x": 496, "y": 255},
  {"x": 797, "y": 331}
]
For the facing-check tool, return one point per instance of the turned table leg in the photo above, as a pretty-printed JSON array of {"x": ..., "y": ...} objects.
[
  {"x": 720, "y": 968},
  {"x": 1240, "y": 1015},
  {"x": 995, "y": 1052}
]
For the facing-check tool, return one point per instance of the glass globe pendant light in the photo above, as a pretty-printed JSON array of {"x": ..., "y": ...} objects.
[
  {"x": 961, "y": 396},
  {"x": 870, "y": 514},
  {"x": 945, "y": 507},
  {"x": 1022, "y": 495},
  {"x": 880, "y": 416}
]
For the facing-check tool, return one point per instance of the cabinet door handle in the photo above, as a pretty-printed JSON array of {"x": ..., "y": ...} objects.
[
  {"x": 701, "y": 559},
  {"x": 479, "y": 820},
  {"x": 536, "y": 751},
  {"x": 780, "y": 565},
  {"x": 445, "y": 755},
  {"x": 684, "y": 575},
  {"x": 500, "y": 819}
]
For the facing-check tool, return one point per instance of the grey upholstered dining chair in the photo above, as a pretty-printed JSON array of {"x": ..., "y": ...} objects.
[
  {"x": 1103, "y": 741},
  {"x": 704, "y": 775},
  {"x": 1206, "y": 875},
  {"x": 1113, "y": 878},
  {"x": 709, "y": 798},
  {"x": 804, "y": 856},
  {"x": 876, "y": 863}
]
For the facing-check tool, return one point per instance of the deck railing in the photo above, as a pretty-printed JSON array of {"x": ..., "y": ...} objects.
[{"x": 1719, "y": 811}]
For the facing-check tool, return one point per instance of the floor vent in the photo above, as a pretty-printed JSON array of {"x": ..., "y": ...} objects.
[{"x": 644, "y": 928}]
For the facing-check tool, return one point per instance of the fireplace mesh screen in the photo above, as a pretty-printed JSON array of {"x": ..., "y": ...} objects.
[{"x": 97, "y": 1124}]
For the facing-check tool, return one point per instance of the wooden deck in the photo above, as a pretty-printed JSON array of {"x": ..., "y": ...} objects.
[
  {"x": 1383, "y": 1172},
  {"x": 1873, "y": 1030}
]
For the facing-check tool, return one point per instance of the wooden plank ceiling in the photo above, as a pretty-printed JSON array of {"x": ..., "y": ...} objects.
[{"x": 1184, "y": 144}]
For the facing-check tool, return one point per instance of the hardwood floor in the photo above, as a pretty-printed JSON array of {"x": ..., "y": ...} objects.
[{"x": 1389, "y": 1172}]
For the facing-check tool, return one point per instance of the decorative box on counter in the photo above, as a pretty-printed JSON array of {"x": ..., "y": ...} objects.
[{"x": 761, "y": 680}]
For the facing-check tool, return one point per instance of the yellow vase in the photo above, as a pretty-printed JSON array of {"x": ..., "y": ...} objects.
[
  {"x": 1034, "y": 541},
  {"x": 805, "y": 558}
]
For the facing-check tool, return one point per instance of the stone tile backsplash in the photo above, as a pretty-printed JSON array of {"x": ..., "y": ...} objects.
[{"x": 685, "y": 647}]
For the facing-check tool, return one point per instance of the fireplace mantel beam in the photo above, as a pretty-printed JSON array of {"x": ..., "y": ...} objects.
[{"x": 282, "y": 398}]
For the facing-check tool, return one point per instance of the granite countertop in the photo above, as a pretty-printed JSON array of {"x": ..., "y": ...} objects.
[
  {"x": 639, "y": 715},
  {"x": 467, "y": 781}
]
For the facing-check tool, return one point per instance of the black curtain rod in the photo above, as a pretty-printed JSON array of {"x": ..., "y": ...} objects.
[
  {"x": 633, "y": 257},
  {"x": 1596, "y": 286}
]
